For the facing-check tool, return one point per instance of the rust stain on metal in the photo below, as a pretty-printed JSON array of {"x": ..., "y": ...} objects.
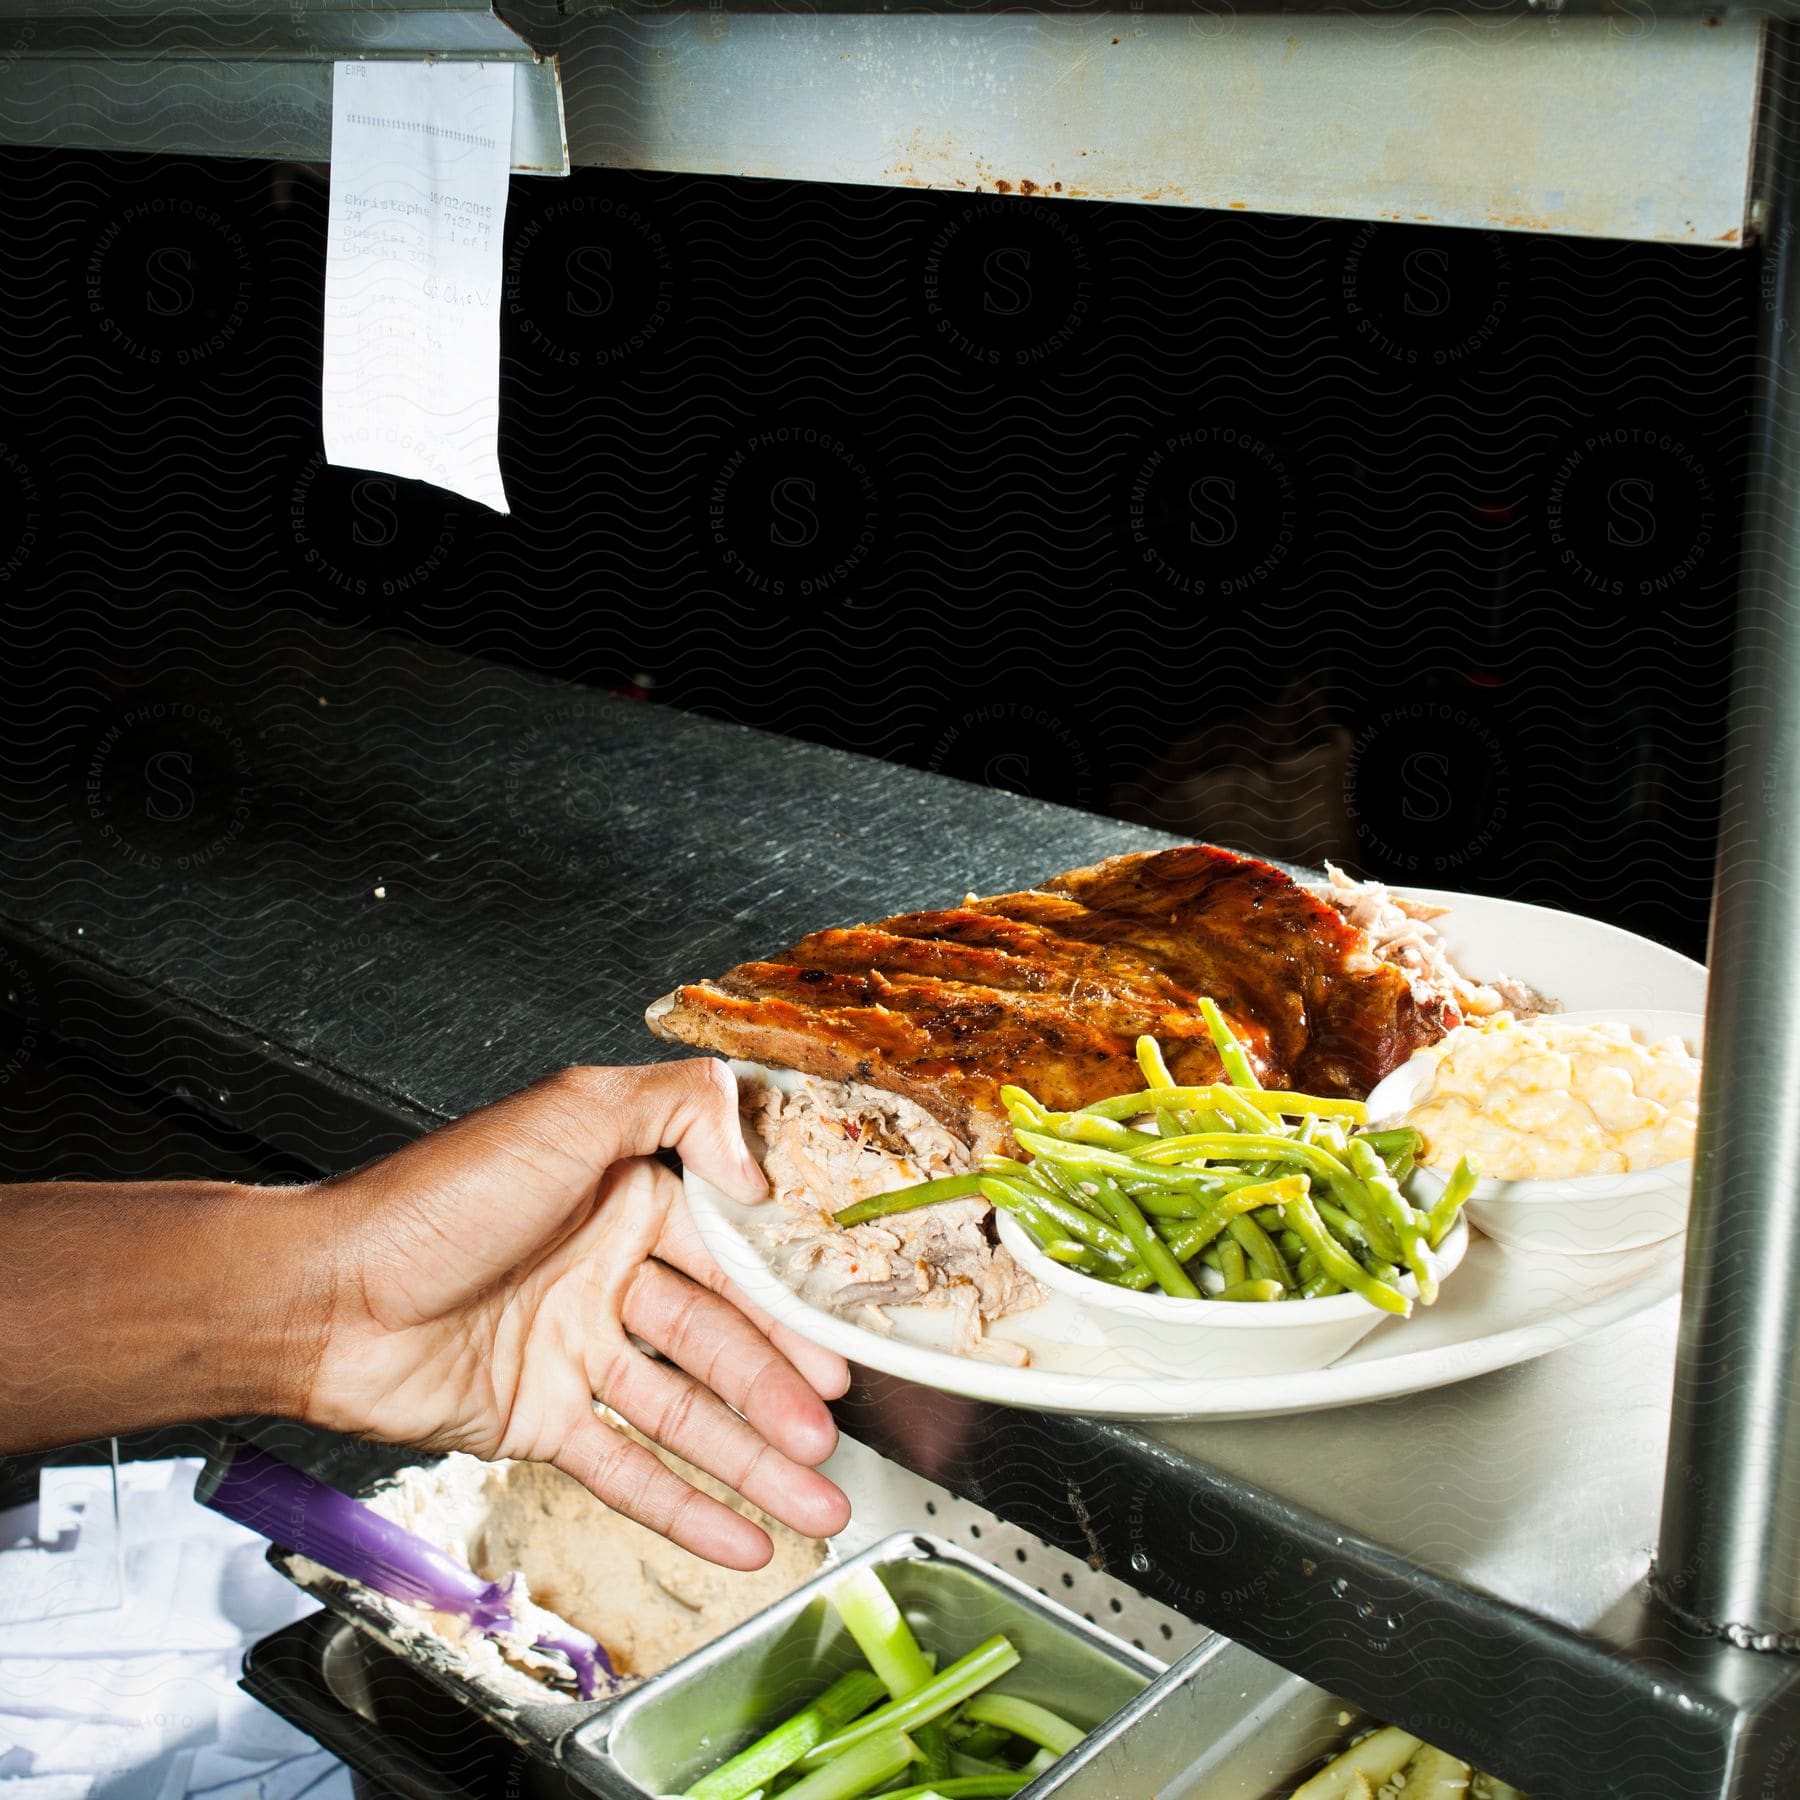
[
  {"x": 1727, "y": 237},
  {"x": 1056, "y": 187},
  {"x": 1002, "y": 187},
  {"x": 1028, "y": 187}
]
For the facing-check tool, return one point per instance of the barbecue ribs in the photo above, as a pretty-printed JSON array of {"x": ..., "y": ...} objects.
[{"x": 1050, "y": 989}]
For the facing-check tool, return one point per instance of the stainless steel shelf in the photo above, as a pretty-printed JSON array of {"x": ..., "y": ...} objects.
[
  {"x": 1469, "y": 1562},
  {"x": 1512, "y": 116}
]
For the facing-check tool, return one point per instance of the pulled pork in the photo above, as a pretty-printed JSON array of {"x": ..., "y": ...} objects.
[
  {"x": 828, "y": 1144},
  {"x": 1400, "y": 932}
]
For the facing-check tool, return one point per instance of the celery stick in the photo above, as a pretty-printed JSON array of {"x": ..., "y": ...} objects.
[
  {"x": 962, "y": 1787},
  {"x": 981, "y": 1740},
  {"x": 968, "y": 1675},
  {"x": 934, "y": 1752},
  {"x": 781, "y": 1748},
  {"x": 860, "y": 1769},
  {"x": 1026, "y": 1719},
  {"x": 881, "y": 1632},
  {"x": 963, "y": 1764}
]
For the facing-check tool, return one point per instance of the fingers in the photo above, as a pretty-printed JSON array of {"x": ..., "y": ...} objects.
[
  {"x": 634, "y": 1482},
  {"x": 700, "y": 1428},
  {"x": 680, "y": 1245},
  {"x": 715, "y": 1343},
  {"x": 689, "y": 1107}
]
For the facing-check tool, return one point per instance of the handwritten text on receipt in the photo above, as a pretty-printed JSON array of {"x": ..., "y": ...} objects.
[{"x": 419, "y": 159}]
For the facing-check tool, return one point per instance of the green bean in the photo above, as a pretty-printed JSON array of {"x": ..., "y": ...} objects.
[
  {"x": 1074, "y": 1256},
  {"x": 1337, "y": 1262},
  {"x": 1150, "y": 1060},
  {"x": 1190, "y": 1236},
  {"x": 1152, "y": 1252},
  {"x": 1291, "y": 1246},
  {"x": 1210, "y": 1258},
  {"x": 1274, "y": 1101},
  {"x": 1233, "y": 1264},
  {"x": 1260, "y": 1249},
  {"x": 925, "y": 1193},
  {"x": 1456, "y": 1190},
  {"x": 1238, "y": 1146},
  {"x": 1231, "y": 1052},
  {"x": 1252, "y": 1290},
  {"x": 1240, "y": 1115},
  {"x": 1340, "y": 1222},
  {"x": 1047, "y": 1173},
  {"x": 1020, "y": 1104},
  {"x": 1084, "y": 1164},
  {"x": 1403, "y": 1165},
  {"x": 1069, "y": 1220},
  {"x": 1392, "y": 1140},
  {"x": 1088, "y": 1128},
  {"x": 1407, "y": 1226},
  {"x": 1332, "y": 1136},
  {"x": 1090, "y": 1158},
  {"x": 1344, "y": 1184},
  {"x": 1321, "y": 1287}
]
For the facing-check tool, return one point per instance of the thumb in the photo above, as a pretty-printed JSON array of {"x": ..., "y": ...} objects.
[{"x": 689, "y": 1107}]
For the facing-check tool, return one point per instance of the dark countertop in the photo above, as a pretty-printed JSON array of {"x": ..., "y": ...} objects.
[{"x": 190, "y": 892}]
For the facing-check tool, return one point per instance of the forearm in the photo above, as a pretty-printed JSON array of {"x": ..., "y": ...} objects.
[{"x": 126, "y": 1306}]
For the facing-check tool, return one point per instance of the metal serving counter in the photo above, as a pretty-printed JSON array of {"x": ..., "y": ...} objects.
[{"x": 391, "y": 884}]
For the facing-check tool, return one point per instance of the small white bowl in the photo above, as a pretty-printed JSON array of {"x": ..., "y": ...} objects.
[
  {"x": 1219, "y": 1339},
  {"x": 1581, "y": 1215}
]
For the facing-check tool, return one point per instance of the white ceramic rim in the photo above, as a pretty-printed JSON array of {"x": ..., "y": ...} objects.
[{"x": 1550, "y": 1190}]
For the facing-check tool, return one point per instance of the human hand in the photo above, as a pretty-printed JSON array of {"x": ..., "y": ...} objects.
[{"x": 486, "y": 1278}]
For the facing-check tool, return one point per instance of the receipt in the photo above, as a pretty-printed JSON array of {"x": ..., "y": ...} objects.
[{"x": 420, "y": 154}]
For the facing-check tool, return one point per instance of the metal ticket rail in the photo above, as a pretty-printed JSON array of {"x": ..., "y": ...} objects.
[{"x": 417, "y": 918}]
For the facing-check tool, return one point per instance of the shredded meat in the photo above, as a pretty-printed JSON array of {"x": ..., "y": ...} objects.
[
  {"x": 826, "y": 1145},
  {"x": 1400, "y": 932}
]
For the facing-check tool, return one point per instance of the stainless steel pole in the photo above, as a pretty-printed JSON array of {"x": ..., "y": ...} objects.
[{"x": 1729, "y": 1556}]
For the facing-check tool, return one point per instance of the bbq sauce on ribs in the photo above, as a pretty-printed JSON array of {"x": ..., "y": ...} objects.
[{"x": 1050, "y": 988}]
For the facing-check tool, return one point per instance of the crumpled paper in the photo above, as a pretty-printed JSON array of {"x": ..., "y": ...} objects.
[{"x": 138, "y": 1701}]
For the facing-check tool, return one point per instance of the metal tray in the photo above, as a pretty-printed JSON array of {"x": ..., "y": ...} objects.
[
  {"x": 664, "y": 1735},
  {"x": 1222, "y": 1724},
  {"x": 1049, "y": 1595}
]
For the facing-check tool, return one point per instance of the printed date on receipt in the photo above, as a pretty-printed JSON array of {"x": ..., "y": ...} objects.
[{"x": 420, "y": 154}]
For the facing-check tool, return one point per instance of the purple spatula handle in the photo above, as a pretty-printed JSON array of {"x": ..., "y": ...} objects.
[{"x": 290, "y": 1508}]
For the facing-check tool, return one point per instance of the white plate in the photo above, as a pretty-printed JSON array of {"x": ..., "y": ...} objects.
[{"x": 1501, "y": 1307}]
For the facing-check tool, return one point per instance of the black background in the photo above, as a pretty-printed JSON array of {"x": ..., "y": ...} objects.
[{"x": 1033, "y": 492}]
